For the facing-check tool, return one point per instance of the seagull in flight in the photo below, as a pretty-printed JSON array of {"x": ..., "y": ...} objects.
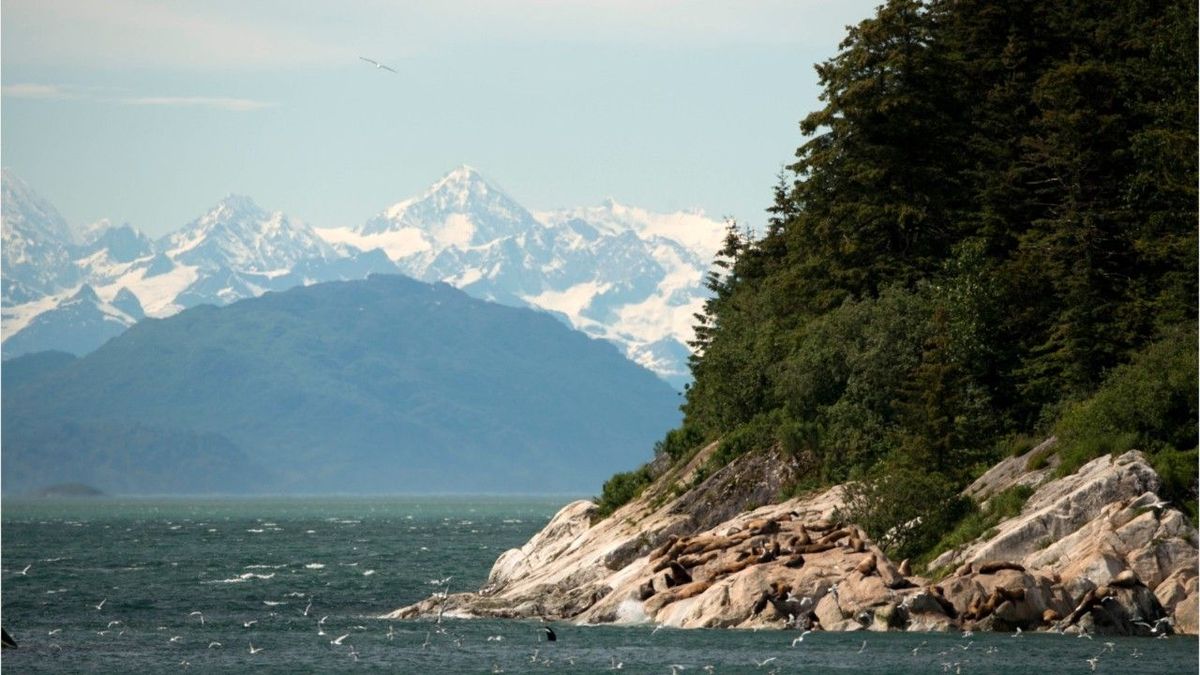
[
  {"x": 377, "y": 64},
  {"x": 101, "y": 605},
  {"x": 801, "y": 638},
  {"x": 338, "y": 641},
  {"x": 255, "y": 650}
]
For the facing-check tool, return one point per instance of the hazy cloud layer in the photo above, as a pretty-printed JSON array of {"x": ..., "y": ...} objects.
[
  {"x": 30, "y": 90},
  {"x": 223, "y": 35}
]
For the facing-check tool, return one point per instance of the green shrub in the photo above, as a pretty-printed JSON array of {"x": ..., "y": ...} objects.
[
  {"x": 904, "y": 509},
  {"x": 1149, "y": 404},
  {"x": 758, "y": 434},
  {"x": 977, "y": 522},
  {"x": 680, "y": 443},
  {"x": 1041, "y": 458},
  {"x": 621, "y": 489},
  {"x": 1178, "y": 473},
  {"x": 1016, "y": 446}
]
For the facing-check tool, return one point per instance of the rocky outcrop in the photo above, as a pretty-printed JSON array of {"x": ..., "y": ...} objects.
[
  {"x": 1093, "y": 526},
  {"x": 1096, "y": 551}
]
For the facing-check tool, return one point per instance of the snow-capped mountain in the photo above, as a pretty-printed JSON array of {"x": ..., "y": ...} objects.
[
  {"x": 74, "y": 293},
  {"x": 75, "y": 322},
  {"x": 36, "y": 256},
  {"x": 620, "y": 273}
]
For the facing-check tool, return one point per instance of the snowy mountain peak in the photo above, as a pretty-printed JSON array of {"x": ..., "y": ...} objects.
[
  {"x": 35, "y": 259},
  {"x": 462, "y": 209},
  {"x": 235, "y": 206},
  {"x": 239, "y": 234},
  {"x": 24, "y": 209}
]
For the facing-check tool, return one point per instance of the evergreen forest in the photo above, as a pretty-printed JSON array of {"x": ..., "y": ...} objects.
[{"x": 987, "y": 238}]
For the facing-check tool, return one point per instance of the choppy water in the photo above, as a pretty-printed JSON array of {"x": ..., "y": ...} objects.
[{"x": 112, "y": 586}]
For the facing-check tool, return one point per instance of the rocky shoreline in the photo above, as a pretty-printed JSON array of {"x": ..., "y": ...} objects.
[{"x": 1094, "y": 552}]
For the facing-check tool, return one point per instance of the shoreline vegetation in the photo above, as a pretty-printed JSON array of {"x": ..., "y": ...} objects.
[{"x": 981, "y": 267}]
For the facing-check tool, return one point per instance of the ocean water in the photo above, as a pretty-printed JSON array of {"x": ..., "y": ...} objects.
[{"x": 135, "y": 586}]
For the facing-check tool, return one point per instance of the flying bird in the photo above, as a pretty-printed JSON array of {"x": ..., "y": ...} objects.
[
  {"x": 338, "y": 641},
  {"x": 377, "y": 64},
  {"x": 255, "y": 650}
]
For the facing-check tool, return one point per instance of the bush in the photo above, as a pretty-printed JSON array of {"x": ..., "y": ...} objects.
[
  {"x": 1149, "y": 404},
  {"x": 758, "y": 434},
  {"x": 1178, "y": 473},
  {"x": 977, "y": 522},
  {"x": 680, "y": 443},
  {"x": 1016, "y": 446},
  {"x": 621, "y": 489},
  {"x": 904, "y": 509}
]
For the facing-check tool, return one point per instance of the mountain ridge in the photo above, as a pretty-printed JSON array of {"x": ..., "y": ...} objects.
[
  {"x": 374, "y": 385},
  {"x": 616, "y": 272}
]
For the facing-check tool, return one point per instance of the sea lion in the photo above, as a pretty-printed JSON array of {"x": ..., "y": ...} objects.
[
  {"x": 814, "y": 548},
  {"x": 661, "y": 600},
  {"x": 867, "y": 566},
  {"x": 761, "y": 603},
  {"x": 795, "y": 562},
  {"x": 722, "y": 543},
  {"x": 661, "y": 550},
  {"x": 993, "y": 566},
  {"x": 1050, "y": 616},
  {"x": 679, "y": 575},
  {"x": 731, "y": 568},
  {"x": 695, "y": 545},
  {"x": 1084, "y": 605},
  {"x": 905, "y": 568},
  {"x": 763, "y": 526},
  {"x": 690, "y": 561},
  {"x": 993, "y": 600},
  {"x": 646, "y": 590},
  {"x": 834, "y": 536},
  {"x": 1126, "y": 579},
  {"x": 678, "y": 546},
  {"x": 963, "y": 570},
  {"x": 947, "y": 606},
  {"x": 803, "y": 537},
  {"x": 823, "y": 525},
  {"x": 1014, "y": 594}
]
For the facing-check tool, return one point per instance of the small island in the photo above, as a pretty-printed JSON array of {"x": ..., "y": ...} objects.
[{"x": 72, "y": 490}]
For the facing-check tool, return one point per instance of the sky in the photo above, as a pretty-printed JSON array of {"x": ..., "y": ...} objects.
[{"x": 150, "y": 112}]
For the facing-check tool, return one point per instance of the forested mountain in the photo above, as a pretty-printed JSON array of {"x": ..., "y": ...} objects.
[
  {"x": 989, "y": 231},
  {"x": 382, "y": 385}
]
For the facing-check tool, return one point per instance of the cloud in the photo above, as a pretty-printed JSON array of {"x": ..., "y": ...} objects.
[
  {"x": 234, "y": 104},
  {"x": 169, "y": 34},
  {"x": 38, "y": 91},
  {"x": 233, "y": 35},
  {"x": 52, "y": 92}
]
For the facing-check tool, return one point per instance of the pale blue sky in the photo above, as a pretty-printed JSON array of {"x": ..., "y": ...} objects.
[{"x": 149, "y": 112}]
